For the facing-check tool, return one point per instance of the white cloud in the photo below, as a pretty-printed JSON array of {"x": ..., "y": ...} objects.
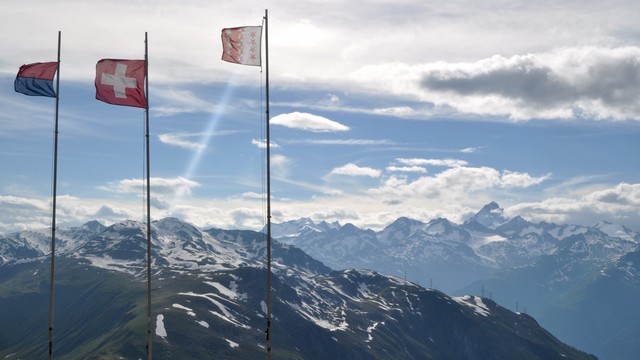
[
  {"x": 159, "y": 186},
  {"x": 355, "y": 170},
  {"x": 23, "y": 213},
  {"x": 518, "y": 179},
  {"x": 262, "y": 143},
  {"x": 308, "y": 122},
  {"x": 443, "y": 194},
  {"x": 356, "y": 142},
  {"x": 452, "y": 184},
  {"x": 416, "y": 169},
  {"x": 560, "y": 84},
  {"x": 184, "y": 140},
  {"x": 280, "y": 165},
  {"x": 623, "y": 194},
  {"x": 345, "y": 214},
  {"x": 279, "y": 160},
  {"x": 29, "y": 213},
  {"x": 180, "y": 140},
  {"x": 253, "y": 195},
  {"x": 399, "y": 111},
  {"x": 248, "y": 217},
  {"x": 178, "y": 101},
  {"x": 565, "y": 83},
  {"x": 542, "y": 61},
  {"x": 109, "y": 214},
  {"x": 14, "y": 117},
  {"x": 618, "y": 204},
  {"x": 432, "y": 162},
  {"x": 22, "y": 202}
]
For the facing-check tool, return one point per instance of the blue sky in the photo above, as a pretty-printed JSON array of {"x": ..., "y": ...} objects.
[{"x": 387, "y": 109}]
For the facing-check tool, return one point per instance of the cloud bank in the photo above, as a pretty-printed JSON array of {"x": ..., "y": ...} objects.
[{"x": 568, "y": 83}]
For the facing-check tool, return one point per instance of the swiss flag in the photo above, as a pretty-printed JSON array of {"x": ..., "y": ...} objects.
[{"x": 121, "y": 82}]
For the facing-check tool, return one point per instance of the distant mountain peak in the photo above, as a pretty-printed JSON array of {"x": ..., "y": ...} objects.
[
  {"x": 402, "y": 228},
  {"x": 516, "y": 222},
  {"x": 440, "y": 223},
  {"x": 405, "y": 222},
  {"x": 491, "y": 215},
  {"x": 172, "y": 225},
  {"x": 617, "y": 231},
  {"x": 491, "y": 206},
  {"x": 93, "y": 226},
  {"x": 292, "y": 228}
]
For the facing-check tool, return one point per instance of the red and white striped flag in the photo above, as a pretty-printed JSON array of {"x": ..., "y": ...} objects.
[{"x": 241, "y": 45}]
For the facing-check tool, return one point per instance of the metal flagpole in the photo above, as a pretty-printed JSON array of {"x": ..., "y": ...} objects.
[
  {"x": 268, "y": 331},
  {"x": 146, "y": 76},
  {"x": 53, "y": 217}
]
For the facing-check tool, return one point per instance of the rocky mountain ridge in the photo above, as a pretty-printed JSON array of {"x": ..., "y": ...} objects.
[
  {"x": 552, "y": 271},
  {"x": 209, "y": 301},
  {"x": 485, "y": 243}
]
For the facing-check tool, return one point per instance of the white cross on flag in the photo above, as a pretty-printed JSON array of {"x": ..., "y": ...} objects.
[
  {"x": 241, "y": 45},
  {"x": 121, "y": 82}
]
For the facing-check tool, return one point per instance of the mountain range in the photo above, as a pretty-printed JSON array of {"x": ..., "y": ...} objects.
[
  {"x": 209, "y": 293},
  {"x": 580, "y": 282}
]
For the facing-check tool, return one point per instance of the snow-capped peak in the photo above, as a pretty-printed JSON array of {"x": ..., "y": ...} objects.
[
  {"x": 617, "y": 231},
  {"x": 293, "y": 228},
  {"x": 491, "y": 216}
]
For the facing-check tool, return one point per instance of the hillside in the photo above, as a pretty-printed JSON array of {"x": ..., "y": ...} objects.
[{"x": 209, "y": 302}]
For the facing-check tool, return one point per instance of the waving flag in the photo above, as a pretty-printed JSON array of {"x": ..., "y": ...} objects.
[
  {"x": 36, "y": 79},
  {"x": 121, "y": 82},
  {"x": 241, "y": 45}
]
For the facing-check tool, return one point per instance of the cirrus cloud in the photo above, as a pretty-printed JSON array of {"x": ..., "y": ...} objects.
[
  {"x": 173, "y": 186},
  {"x": 181, "y": 140},
  {"x": 432, "y": 162}
]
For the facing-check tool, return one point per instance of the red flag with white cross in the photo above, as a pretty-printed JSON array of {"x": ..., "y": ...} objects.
[{"x": 121, "y": 82}]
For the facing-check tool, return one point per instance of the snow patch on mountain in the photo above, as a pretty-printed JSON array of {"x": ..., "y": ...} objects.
[
  {"x": 202, "y": 323},
  {"x": 132, "y": 267},
  {"x": 224, "y": 312},
  {"x": 232, "y": 344},
  {"x": 230, "y": 293},
  {"x": 616, "y": 230},
  {"x": 370, "y": 330},
  {"x": 160, "y": 330},
  {"x": 311, "y": 314},
  {"x": 188, "y": 310},
  {"x": 475, "y": 303}
]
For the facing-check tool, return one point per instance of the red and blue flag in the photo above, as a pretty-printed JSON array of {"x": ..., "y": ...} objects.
[{"x": 36, "y": 79}]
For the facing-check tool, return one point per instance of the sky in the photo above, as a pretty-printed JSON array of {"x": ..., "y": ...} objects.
[{"x": 378, "y": 109}]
